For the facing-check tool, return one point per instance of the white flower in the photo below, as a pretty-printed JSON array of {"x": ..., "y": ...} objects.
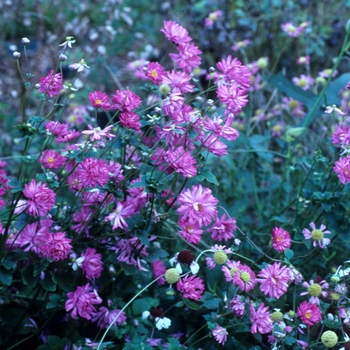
[
  {"x": 163, "y": 322},
  {"x": 333, "y": 108},
  {"x": 194, "y": 267},
  {"x": 79, "y": 66}
]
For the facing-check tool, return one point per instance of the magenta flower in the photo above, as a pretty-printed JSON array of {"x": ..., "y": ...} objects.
[
  {"x": 82, "y": 301},
  {"x": 155, "y": 72},
  {"x": 309, "y": 313},
  {"x": 122, "y": 211},
  {"x": 40, "y": 198},
  {"x": 237, "y": 306},
  {"x": 221, "y": 129},
  {"x": 176, "y": 33},
  {"x": 56, "y": 246},
  {"x": 51, "y": 159},
  {"x": 220, "y": 334},
  {"x": 97, "y": 134},
  {"x": 213, "y": 145},
  {"x": 198, "y": 206},
  {"x": 274, "y": 280},
  {"x": 223, "y": 228},
  {"x": 51, "y": 84},
  {"x": 182, "y": 162},
  {"x": 91, "y": 264},
  {"x": 240, "y": 275},
  {"x": 191, "y": 287},
  {"x": 104, "y": 317},
  {"x": 173, "y": 103},
  {"x": 304, "y": 82},
  {"x": 32, "y": 237},
  {"x": 158, "y": 269},
  {"x": 188, "y": 57},
  {"x": 342, "y": 168},
  {"x": 317, "y": 235},
  {"x": 280, "y": 239},
  {"x": 190, "y": 232},
  {"x": 261, "y": 319},
  {"x": 212, "y": 17},
  {"x": 125, "y": 100},
  {"x": 315, "y": 290},
  {"x": 99, "y": 99},
  {"x": 234, "y": 97},
  {"x": 179, "y": 81},
  {"x": 233, "y": 71},
  {"x": 130, "y": 120},
  {"x": 292, "y": 30}
]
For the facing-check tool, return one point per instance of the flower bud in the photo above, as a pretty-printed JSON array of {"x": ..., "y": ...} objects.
[
  {"x": 63, "y": 57},
  {"x": 211, "y": 70},
  {"x": 262, "y": 62},
  {"x": 172, "y": 276},
  {"x": 219, "y": 257},
  {"x": 329, "y": 339},
  {"x": 25, "y": 41},
  {"x": 16, "y": 54},
  {"x": 164, "y": 89},
  {"x": 277, "y": 316}
]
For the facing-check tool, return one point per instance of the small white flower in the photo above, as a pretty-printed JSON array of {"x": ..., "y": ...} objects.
[
  {"x": 333, "y": 108},
  {"x": 79, "y": 66},
  {"x": 163, "y": 322},
  {"x": 194, "y": 267}
]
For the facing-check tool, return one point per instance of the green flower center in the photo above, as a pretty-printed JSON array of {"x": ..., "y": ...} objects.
[
  {"x": 234, "y": 271},
  {"x": 245, "y": 277},
  {"x": 317, "y": 235},
  {"x": 302, "y": 82},
  {"x": 220, "y": 257},
  {"x": 315, "y": 290}
]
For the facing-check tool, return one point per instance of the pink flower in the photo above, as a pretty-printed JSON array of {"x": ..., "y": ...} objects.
[
  {"x": 241, "y": 45},
  {"x": 155, "y": 72},
  {"x": 261, "y": 319},
  {"x": 305, "y": 82},
  {"x": 220, "y": 334},
  {"x": 99, "y": 99},
  {"x": 342, "y": 168},
  {"x": 345, "y": 313},
  {"x": 292, "y": 30},
  {"x": 51, "y": 84},
  {"x": 234, "y": 71},
  {"x": 221, "y": 130},
  {"x": 158, "y": 269},
  {"x": 182, "y": 162},
  {"x": 237, "y": 306},
  {"x": 51, "y": 159},
  {"x": 274, "y": 280},
  {"x": 125, "y": 100},
  {"x": 122, "y": 211},
  {"x": 191, "y": 287},
  {"x": 32, "y": 237},
  {"x": 214, "y": 145},
  {"x": 198, "y": 206},
  {"x": 317, "y": 235},
  {"x": 40, "y": 198},
  {"x": 57, "y": 246},
  {"x": 240, "y": 275},
  {"x": 176, "y": 33},
  {"x": 130, "y": 120},
  {"x": 92, "y": 264},
  {"x": 234, "y": 97},
  {"x": 56, "y": 128},
  {"x": 223, "y": 228},
  {"x": 172, "y": 103},
  {"x": 315, "y": 290},
  {"x": 280, "y": 239},
  {"x": 105, "y": 317},
  {"x": 188, "y": 57},
  {"x": 303, "y": 60},
  {"x": 341, "y": 135},
  {"x": 309, "y": 313},
  {"x": 97, "y": 134},
  {"x": 179, "y": 81},
  {"x": 212, "y": 17},
  {"x": 190, "y": 232},
  {"x": 81, "y": 302}
]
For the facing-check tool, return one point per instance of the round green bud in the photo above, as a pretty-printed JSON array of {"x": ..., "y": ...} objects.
[
  {"x": 329, "y": 339},
  {"x": 164, "y": 89},
  {"x": 277, "y": 316},
  {"x": 291, "y": 313},
  {"x": 220, "y": 257},
  {"x": 172, "y": 276},
  {"x": 262, "y": 62}
]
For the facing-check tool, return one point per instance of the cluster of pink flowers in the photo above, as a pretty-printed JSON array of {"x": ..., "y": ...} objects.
[
  {"x": 61, "y": 131},
  {"x": 51, "y": 85}
]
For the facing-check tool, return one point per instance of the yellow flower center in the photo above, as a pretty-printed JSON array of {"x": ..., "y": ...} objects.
[
  {"x": 293, "y": 104},
  {"x": 308, "y": 314},
  {"x": 154, "y": 74},
  {"x": 317, "y": 235},
  {"x": 50, "y": 160},
  {"x": 98, "y": 102},
  {"x": 315, "y": 290},
  {"x": 302, "y": 83}
]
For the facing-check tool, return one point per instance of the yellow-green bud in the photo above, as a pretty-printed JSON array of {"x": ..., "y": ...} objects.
[
  {"x": 329, "y": 339},
  {"x": 164, "y": 89},
  {"x": 321, "y": 80},
  {"x": 172, "y": 276},
  {"x": 291, "y": 313},
  {"x": 220, "y": 257},
  {"x": 277, "y": 316},
  {"x": 293, "y": 133},
  {"x": 262, "y": 62}
]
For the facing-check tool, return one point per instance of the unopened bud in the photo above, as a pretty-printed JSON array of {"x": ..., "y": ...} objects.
[
  {"x": 172, "y": 276},
  {"x": 16, "y": 54},
  {"x": 25, "y": 41},
  {"x": 63, "y": 57},
  {"x": 329, "y": 339},
  {"x": 211, "y": 70}
]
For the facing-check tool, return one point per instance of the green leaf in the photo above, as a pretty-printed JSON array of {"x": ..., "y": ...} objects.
[
  {"x": 5, "y": 276},
  {"x": 190, "y": 304},
  {"x": 47, "y": 283},
  {"x": 28, "y": 276},
  {"x": 144, "y": 304},
  {"x": 66, "y": 281},
  {"x": 289, "y": 253},
  {"x": 289, "y": 340},
  {"x": 56, "y": 300},
  {"x": 207, "y": 176}
]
